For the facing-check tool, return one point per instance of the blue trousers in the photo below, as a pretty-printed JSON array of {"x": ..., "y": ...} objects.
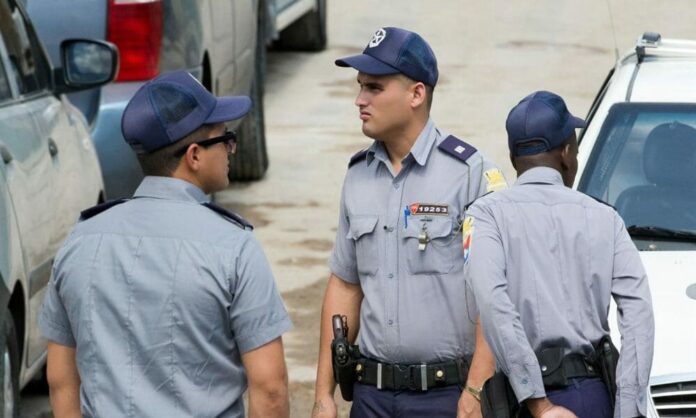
[
  {"x": 369, "y": 402},
  {"x": 587, "y": 398}
]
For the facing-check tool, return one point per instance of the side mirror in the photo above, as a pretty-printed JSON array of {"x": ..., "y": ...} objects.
[{"x": 86, "y": 64}]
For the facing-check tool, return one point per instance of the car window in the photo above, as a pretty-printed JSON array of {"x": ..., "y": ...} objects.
[
  {"x": 644, "y": 164},
  {"x": 28, "y": 65}
]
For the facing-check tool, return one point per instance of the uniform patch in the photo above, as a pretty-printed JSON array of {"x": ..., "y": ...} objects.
[
  {"x": 467, "y": 236},
  {"x": 494, "y": 180},
  {"x": 378, "y": 37},
  {"x": 428, "y": 209}
]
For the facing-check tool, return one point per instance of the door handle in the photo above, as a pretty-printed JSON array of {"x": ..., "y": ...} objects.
[
  {"x": 6, "y": 154},
  {"x": 52, "y": 147}
]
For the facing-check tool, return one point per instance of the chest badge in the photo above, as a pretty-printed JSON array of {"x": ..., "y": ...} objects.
[{"x": 428, "y": 209}]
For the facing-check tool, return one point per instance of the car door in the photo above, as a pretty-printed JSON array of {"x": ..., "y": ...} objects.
[{"x": 30, "y": 161}]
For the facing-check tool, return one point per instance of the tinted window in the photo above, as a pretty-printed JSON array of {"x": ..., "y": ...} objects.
[
  {"x": 644, "y": 164},
  {"x": 27, "y": 62}
]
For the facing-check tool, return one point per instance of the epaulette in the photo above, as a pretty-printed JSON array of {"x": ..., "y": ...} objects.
[
  {"x": 457, "y": 148},
  {"x": 601, "y": 201},
  {"x": 357, "y": 157},
  {"x": 474, "y": 201},
  {"x": 102, "y": 207},
  {"x": 236, "y": 219}
]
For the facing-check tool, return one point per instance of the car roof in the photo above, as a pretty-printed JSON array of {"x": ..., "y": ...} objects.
[{"x": 666, "y": 72}]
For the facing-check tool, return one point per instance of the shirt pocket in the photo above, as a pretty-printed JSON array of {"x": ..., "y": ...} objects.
[
  {"x": 362, "y": 231},
  {"x": 442, "y": 253}
]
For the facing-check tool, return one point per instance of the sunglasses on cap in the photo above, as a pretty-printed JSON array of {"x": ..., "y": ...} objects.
[{"x": 229, "y": 138}]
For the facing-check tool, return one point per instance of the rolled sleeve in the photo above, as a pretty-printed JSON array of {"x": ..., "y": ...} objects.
[
  {"x": 342, "y": 262},
  {"x": 499, "y": 319},
  {"x": 54, "y": 323},
  {"x": 636, "y": 324},
  {"x": 257, "y": 313}
]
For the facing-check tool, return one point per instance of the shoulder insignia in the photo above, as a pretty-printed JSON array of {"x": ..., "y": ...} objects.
[
  {"x": 474, "y": 201},
  {"x": 102, "y": 207},
  {"x": 457, "y": 148},
  {"x": 236, "y": 219},
  {"x": 357, "y": 157},
  {"x": 601, "y": 201}
]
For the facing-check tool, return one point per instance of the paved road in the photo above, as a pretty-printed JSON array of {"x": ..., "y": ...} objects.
[{"x": 491, "y": 53}]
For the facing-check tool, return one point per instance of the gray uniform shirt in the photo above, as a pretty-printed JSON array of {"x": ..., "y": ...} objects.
[
  {"x": 544, "y": 262},
  {"x": 161, "y": 295},
  {"x": 414, "y": 307}
]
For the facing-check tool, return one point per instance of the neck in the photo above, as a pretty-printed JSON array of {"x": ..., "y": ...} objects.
[{"x": 399, "y": 144}]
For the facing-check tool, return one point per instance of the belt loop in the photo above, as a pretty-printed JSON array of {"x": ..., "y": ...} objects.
[
  {"x": 379, "y": 376},
  {"x": 424, "y": 377}
]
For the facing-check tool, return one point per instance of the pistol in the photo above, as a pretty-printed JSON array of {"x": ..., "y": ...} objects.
[{"x": 344, "y": 357}]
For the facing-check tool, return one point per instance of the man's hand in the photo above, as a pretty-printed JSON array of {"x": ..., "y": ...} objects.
[
  {"x": 543, "y": 408},
  {"x": 324, "y": 408},
  {"x": 468, "y": 406}
]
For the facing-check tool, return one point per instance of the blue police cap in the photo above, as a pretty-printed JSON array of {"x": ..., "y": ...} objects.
[
  {"x": 543, "y": 118},
  {"x": 392, "y": 51},
  {"x": 171, "y": 106}
]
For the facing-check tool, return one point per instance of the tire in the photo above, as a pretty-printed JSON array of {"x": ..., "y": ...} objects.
[
  {"x": 307, "y": 33},
  {"x": 251, "y": 160},
  {"x": 9, "y": 370}
]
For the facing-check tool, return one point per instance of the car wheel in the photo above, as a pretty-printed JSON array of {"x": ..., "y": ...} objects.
[
  {"x": 251, "y": 160},
  {"x": 9, "y": 370},
  {"x": 308, "y": 33}
]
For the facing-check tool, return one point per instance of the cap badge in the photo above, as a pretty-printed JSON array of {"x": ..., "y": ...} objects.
[{"x": 378, "y": 37}]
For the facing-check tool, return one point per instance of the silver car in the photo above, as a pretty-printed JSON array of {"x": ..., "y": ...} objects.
[
  {"x": 638, "y": 153},
  {"x": 222, "y": 42},
  {"x": 48, "y": 173}
]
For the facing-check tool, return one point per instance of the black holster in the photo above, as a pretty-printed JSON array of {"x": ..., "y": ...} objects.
[
  {"x": 498, "y": 400},
  {"x": 344, "y": 358},
  {"x": 607, "y": 358}
]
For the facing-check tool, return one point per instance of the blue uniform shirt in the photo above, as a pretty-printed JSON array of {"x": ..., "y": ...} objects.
[
  {"x": 544, "y": 262},
  {"x": 161, "y": 295},
  {"x": 399, "y": 238}
]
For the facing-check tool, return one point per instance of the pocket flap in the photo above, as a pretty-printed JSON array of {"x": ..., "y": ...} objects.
[
  {"x": 550, "y": 360},
  {"x": 437, "y": 227},
  {"x": 361, "y": 225}
]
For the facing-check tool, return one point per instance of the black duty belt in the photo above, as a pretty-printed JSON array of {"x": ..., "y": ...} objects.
[
  {"x": 417, "y": 377},
  {"x": 556, "y": 371}
]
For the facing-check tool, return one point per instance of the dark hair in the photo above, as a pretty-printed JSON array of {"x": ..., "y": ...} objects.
[{"x": 162, "y": 162}]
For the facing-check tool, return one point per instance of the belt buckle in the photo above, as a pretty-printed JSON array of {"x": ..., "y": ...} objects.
[{"x": 415, "y": 373}]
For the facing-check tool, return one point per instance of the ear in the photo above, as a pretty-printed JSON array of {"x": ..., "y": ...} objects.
[
  {"x": 192, "y": 158},
  {"x": 418, "y": 94},
  {"x": 566, "y": 156}
]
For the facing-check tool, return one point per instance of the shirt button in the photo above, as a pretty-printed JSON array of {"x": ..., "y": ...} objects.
[
  {"x": 391, "y": 275},
  {"x": 396, "y": 185},
  {"x": 524, "y": 381},
  {"x": 390, "y": 322}
]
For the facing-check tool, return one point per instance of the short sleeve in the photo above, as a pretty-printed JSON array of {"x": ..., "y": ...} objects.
[
  {"x": 342, "y": 262},
  {"x": 53, "y": 320},
  {"x": 257, "y": 313}
]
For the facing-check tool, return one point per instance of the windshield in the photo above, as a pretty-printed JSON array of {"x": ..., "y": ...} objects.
[{"x": 644, "y": 164}]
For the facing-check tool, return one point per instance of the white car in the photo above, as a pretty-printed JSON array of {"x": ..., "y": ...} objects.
[
  {"x": 49, "y": 172},
  {"x": 638, "y": 153}
]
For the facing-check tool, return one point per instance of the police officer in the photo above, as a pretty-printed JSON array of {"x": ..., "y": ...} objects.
[
  {"x": 164, "y": 305},
  {"x": 544, "y": 262},
  {"x": 397, "y": 263}
]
